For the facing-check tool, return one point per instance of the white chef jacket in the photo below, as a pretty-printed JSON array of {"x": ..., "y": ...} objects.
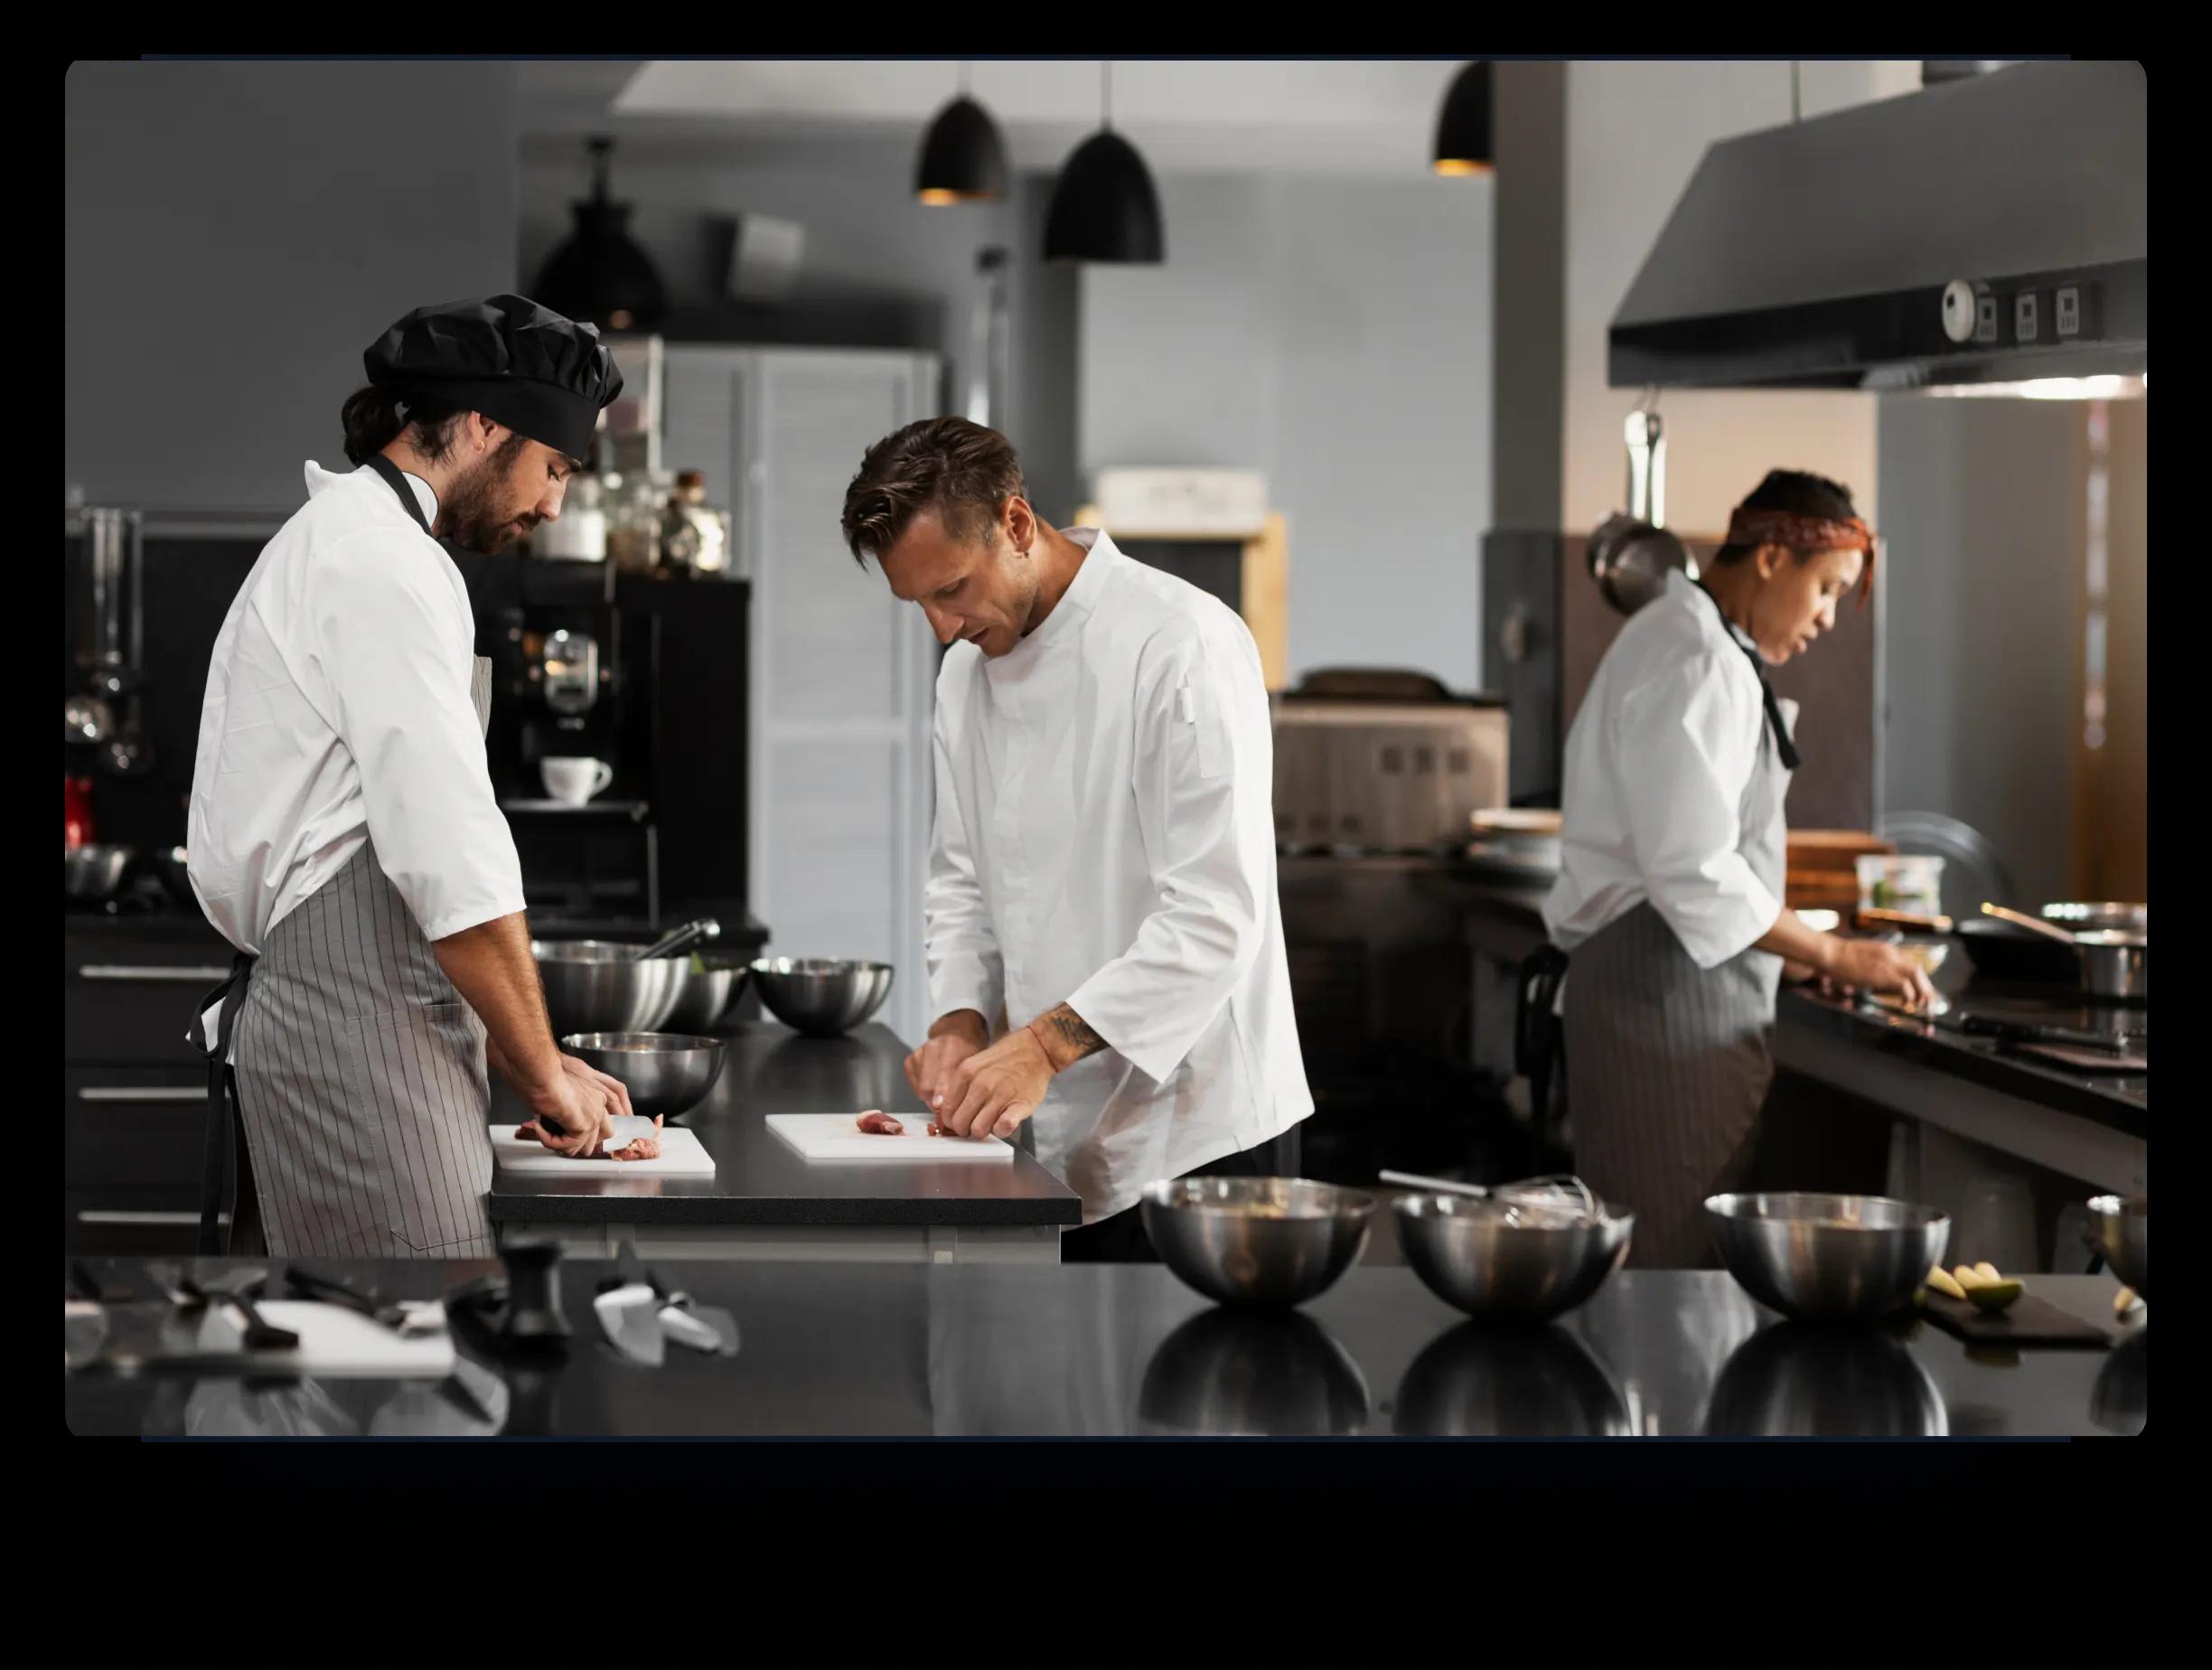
[
  {"x": 1105, "y": 838},
  {"x": 338, "y": 708},
  {"x": 1656, "y": 765}
]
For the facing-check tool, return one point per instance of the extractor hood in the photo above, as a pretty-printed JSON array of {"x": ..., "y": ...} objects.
[{"x": 1988, "y": 231}]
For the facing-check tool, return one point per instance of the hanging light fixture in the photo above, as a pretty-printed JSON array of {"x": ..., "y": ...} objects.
[
  {"x": 962, "y": 159},
  {"x": 1463, "y": 135},
  {"x": 1104, "y": 207},
  {"x": 599, "y": 274}
]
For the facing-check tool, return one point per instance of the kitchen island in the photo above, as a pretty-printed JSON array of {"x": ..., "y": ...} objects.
[
  {"x": 974, "y": 1351},
  {"x": 764, "y": 1201}
]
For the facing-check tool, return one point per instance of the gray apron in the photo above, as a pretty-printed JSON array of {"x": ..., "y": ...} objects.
[
  {"x": 1669, "y": 1062},
  {"x": 358, "y": 1074}
]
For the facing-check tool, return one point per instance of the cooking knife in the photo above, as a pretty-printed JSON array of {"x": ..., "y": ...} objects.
[
  {"x": 2003, "y": 1031},
  {"x": 627, "y": 1129}
]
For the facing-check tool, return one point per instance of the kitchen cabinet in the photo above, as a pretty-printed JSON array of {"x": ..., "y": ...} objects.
[{"x": 842, "y": 672}]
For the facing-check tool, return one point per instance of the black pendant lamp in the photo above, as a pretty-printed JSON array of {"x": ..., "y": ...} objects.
[
  {"x": 1463, "y": 135},
  {"x": 599, "y": 274},
  {"x": 962, "y": 159},
  {"x": 1104, "y": 207}
]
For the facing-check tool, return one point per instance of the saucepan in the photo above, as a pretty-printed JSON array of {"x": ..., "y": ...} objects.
[
  {"x": 2115, "y": 963},
  {"x": 2111, "y": 962}
]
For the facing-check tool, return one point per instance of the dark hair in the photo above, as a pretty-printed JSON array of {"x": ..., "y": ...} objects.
[
  {"x": 1800, "y": 494},
  {"x": 961, "y": 470},
  {"x": 374, "y": 420}
]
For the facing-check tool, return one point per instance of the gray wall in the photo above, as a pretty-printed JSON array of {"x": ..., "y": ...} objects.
[
  {"x": 1982, "y": 518},
  {"x": 879, "y": 270},
  {"x": 237, "y": 234},
  {"x": 1528, "y": 330},
  {"x": 1336, "y": 334}
]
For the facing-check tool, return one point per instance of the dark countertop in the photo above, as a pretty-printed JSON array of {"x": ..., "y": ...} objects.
[
  {"x": 767, "y": 1069},
  {"x": 947, "y": 1350}
]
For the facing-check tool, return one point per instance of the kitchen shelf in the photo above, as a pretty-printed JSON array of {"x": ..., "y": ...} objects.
[{"x": 636, "y": 812}]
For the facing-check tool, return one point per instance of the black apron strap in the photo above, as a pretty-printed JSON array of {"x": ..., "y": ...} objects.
[
  {"x": 1783, "y": 742},
  {"x": 390, "y": 473},
  {"x": 1536, "y": 1028},
  {"x": 231, "y": 995}
]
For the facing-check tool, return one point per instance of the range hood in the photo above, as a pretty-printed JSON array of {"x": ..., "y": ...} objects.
[{"x": 1987, "y": 230}]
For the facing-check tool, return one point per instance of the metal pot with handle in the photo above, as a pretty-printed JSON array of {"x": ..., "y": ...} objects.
[
  {"x": 2114, "y": 963},
  {"x": 1631, "y": 556}
]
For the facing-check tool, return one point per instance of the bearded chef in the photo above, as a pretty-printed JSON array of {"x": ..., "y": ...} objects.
[
  {"x": 1103, "y": 867},
  {"x": 343, "y": 834},
  {"x": 1672, "y": 868}
]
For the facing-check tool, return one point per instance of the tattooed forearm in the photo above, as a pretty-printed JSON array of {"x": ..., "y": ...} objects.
[{"x": 1067, "y": 1036}]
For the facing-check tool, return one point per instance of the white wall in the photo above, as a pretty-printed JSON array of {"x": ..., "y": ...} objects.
[
  {"x": 1635, "y": 133},
  {"x": 237, "y": 234},
  {"x": 1336, "y": 334}
]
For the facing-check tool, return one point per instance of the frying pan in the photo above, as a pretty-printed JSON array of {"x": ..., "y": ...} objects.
[
  {"x": 2111, "y": 966},
  {"x": 1631, "y": 555}
]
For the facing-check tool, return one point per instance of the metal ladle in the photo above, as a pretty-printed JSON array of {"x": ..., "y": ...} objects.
[{"x": 2022, "y": 919}]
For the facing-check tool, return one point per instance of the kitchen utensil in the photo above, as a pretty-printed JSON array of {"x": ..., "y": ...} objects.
[
  {"x": 2097, "y": 918},
  {"x": 2119, "y": 1233},
  {"x": 1256, "y": 1241},
  {"x": 835, "y": 1136},
  {"x": 711, "y": 988},
  {"x": 1229, "y": 1372},
  {"x": 682, "y": 939},
  {"x": 697, "y": 1328},
  {"x": 2116, "y": 965},
  {"x": 1544, "y": 1196},
  {"x": 666, "y": 1073},
  {"x": 1820, "y": 1257},
  {"x": 94, "y": 873},
  {"x": 87, "y": 720},
  {"x": 412, "y": 1318},
  {"x": 682, "y": 1156},
  {"x": 594, "y": 986},
  {"x": 629, "y": 1313},
  {"x": 2026, "y": 1321},
  {"x": 1630, "y": 556},
  {"x": 1798, "y": 1379},
  {"x": 235, "y": 1289},
  {"x": 2003, "y": 951},
  {"x": 1499, "y": 1260},
  {"x": 1479, "y": 1382},
  {"x": 822, "y": 997},
  {"x": 533, "y": 1314}
]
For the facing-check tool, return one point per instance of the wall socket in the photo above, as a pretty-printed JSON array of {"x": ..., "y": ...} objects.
[
  {"x": 2025, "y": 319},
  {"x": 2065, "y": 311}
]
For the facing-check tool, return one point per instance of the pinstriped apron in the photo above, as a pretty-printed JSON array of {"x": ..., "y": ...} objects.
[
  {"x": 358, "y": 1073},
  {"x": 1669, "y": 1063}
]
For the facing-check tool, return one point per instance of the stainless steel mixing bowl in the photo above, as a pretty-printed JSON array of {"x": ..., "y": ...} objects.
[
  {"x": 710, "y": 987},
  {"x": 1798, "y": 1379},
  {"x": 2120, "y": 1228},
  {"x": 1827, "y": 1258},
  {"x": 1256, "y": 1241},
  {"x": 665, "y": 1073},
  {"x": 821, "y": 996},
  {"x": 594, "y": 986},
  {"x": 1253, "y": 1374},
  {"x": 1479, "y": 1382},
  {"x": 1473, "y": 1254}
]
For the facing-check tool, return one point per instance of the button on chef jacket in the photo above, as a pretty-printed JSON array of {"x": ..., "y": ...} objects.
[
  {"x": 1656, "y": 768},
  {"x": 1105, "y": 838},
  {"x": 338, "y": 707}
]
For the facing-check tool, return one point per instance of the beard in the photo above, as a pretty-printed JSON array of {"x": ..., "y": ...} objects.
[{"x": 474, "y": 515}]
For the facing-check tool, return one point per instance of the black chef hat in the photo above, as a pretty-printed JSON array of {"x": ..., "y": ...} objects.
[{"x": 543, "y": 376}]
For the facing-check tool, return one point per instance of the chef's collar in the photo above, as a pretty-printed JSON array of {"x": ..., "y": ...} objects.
[
  {"x": 426, "y": 495},
  {"x": 1693, "y": 596},
  {"x": 1080, "y": 598}
]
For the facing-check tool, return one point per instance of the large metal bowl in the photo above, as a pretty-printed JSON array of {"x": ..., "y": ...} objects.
[
  {"x": 711, "y": 985},
  {"x": 1253, "y": 1374},
  {"x": 594, "y": 986},
  {"x": 94, "y": 873},
  {"x": 2120, "y": 1228},
  {"x": 1256, "y": 1241},
  {"x": 1471, "y": 1255},
  {"x": 1827, "y": 1258},
  {"x": 821, "y": 996},
  {"x": 1797, "y": 1380},
  {"x": 1477, "y": 1382},
  {"x": 666, "y": 1073}
]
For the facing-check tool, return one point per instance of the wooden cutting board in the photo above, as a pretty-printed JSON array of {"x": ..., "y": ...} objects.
[
  {"x": 835, "y": 1136},
  {"x": 681, "y": 1157},
  {"x": 2031, "y": 1321}
]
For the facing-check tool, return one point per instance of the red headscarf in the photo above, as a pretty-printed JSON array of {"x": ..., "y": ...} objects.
[{"x": 1807, "y": 534}]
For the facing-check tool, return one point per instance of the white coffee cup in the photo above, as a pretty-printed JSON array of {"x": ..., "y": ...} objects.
[{"x": 575, "y": 780}]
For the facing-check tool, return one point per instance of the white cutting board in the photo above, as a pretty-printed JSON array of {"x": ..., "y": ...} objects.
[
  {"x": 334, "y": 1343},
  {"x": 681, "y": 1157},
  {"x": 836, "y": 1136}
]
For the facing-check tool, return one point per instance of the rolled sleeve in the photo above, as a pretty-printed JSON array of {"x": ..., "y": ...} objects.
[
  {"x": 1689, "y": 741},
  {"x": 1204, "y": 771},
  {"x": 966, "y": 966},
  {"x": 395, "y": 639}
]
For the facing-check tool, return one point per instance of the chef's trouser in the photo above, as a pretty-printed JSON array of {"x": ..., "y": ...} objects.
[{"x": 1121, "y": 1239}]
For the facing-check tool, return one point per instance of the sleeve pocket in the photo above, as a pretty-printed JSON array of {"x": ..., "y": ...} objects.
[{"x": 1196, "y": 708}]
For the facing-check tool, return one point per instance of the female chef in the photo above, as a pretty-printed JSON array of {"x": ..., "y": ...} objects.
[{"x": 1670, "y": 892}]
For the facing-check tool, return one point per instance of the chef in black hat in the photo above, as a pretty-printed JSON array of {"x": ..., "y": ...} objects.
[{"x": 343, "y": 833}]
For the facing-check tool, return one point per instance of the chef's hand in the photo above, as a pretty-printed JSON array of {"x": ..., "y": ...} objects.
[
  {"x": 951, "y": 1040},
  {"x": 1868, "y": 965},
  {"x": 616, "y": 1090},
  {"x": 579, "y": 1108},
  {"x": 992, "y": 1091}
]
